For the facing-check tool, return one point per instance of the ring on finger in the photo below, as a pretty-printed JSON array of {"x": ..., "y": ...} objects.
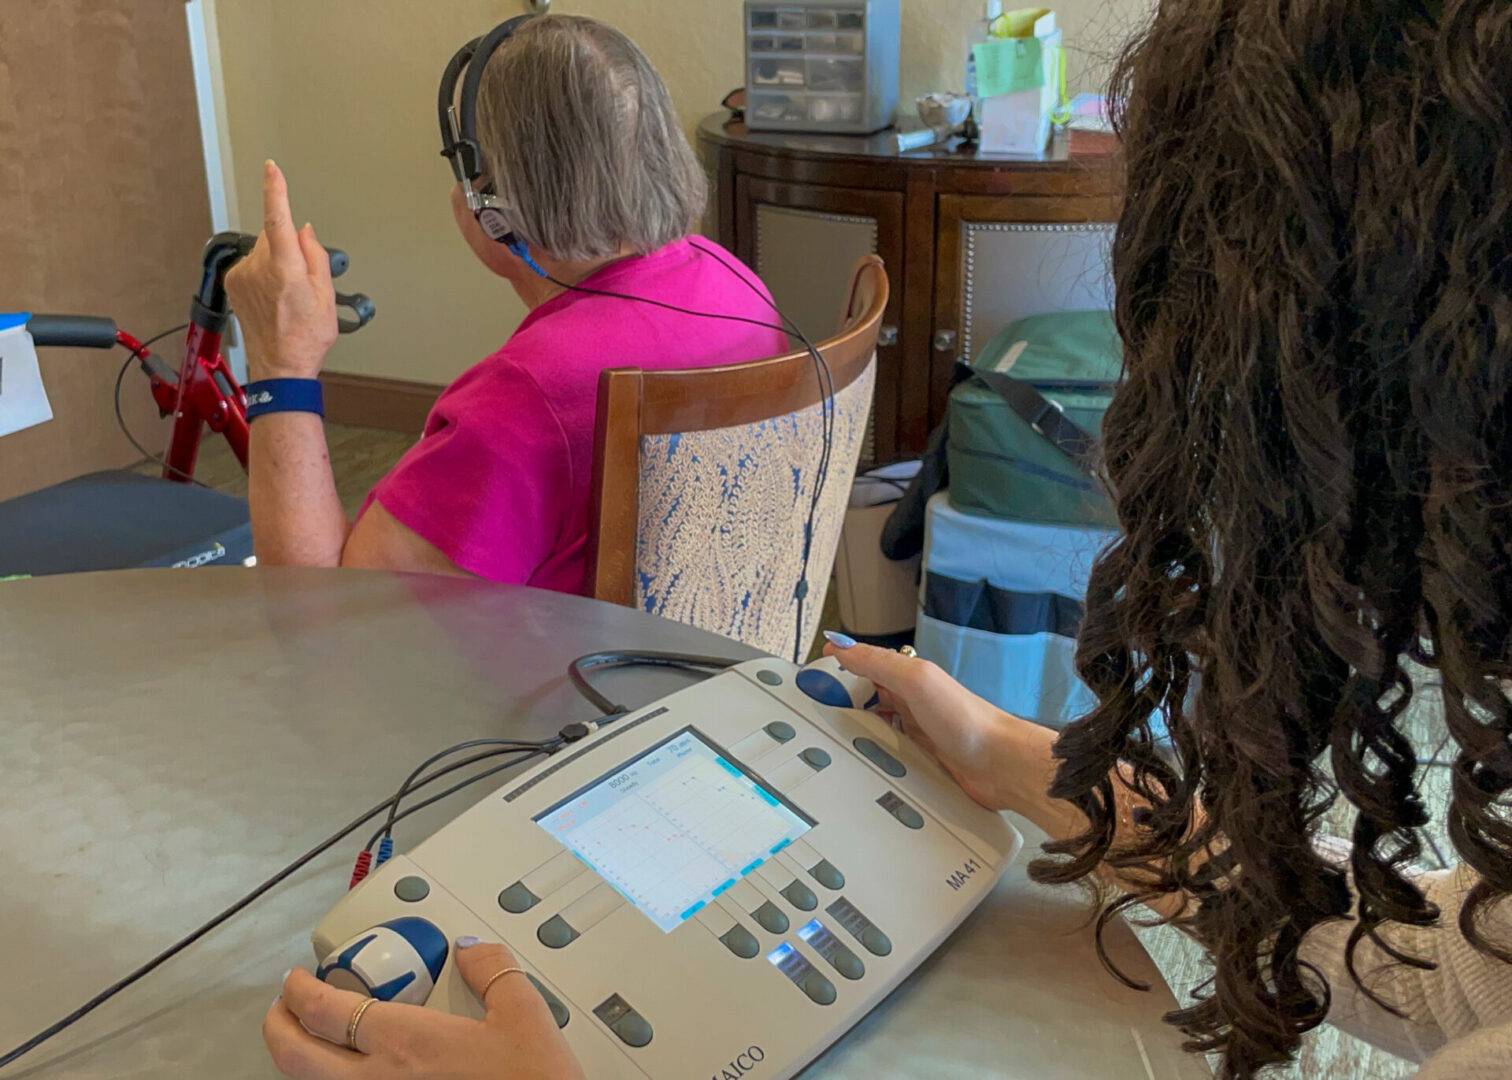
[
  {"x": 352, "y": 1024},
  {"x": 496, "y": 976},
  {"x": 909, "y": 651}
]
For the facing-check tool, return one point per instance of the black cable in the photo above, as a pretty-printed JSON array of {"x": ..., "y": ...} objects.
[
  {"x": 577, "y": 671},
  {"x": 138, "y": 355},
  {"x": 236, "y": 908},
  {"x": 529, "y": 754},
  {"x": 826, "y": 403},
  {"x": 500, "y": 746}
]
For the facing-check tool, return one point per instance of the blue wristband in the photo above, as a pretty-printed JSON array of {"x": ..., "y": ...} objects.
[{"x": 283, "y": 395}]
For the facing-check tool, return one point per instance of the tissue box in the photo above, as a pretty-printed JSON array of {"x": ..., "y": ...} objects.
[{"x": 1018, "y": 122}]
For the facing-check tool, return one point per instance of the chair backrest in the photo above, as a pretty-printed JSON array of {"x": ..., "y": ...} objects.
[{"x": 703, "y": 480}]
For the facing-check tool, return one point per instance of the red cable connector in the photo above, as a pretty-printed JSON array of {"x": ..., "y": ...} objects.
[{"x": 360, "y": 870}]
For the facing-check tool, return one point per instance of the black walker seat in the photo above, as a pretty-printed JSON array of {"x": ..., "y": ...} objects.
[{"x": 117, "y": 520}]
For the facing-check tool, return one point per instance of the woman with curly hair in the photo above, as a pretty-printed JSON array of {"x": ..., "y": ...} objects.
[
  {"x": 1312, "y": 466},
  {"x": 1311, "y": 462}
]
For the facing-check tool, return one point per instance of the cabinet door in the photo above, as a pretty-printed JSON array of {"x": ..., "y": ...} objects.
[
  {"x": 1002, "y": 258},
  {"x": 802, "y": 241}
]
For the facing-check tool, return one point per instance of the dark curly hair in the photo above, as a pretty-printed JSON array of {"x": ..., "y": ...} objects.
[{"x": 1312, "y": 467}]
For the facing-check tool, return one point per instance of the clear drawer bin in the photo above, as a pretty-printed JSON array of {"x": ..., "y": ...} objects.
[
  {"x": 766, "y": 74},
  {"x": 836, "y": 75}
]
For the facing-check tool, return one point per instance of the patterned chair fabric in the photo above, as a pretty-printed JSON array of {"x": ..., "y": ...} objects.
[{"x": 722, "y": 515}]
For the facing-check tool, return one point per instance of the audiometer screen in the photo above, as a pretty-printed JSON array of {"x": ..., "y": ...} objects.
[{"x": 674, "y": 827}]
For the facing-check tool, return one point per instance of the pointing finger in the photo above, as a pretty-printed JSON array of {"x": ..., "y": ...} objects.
[{"x": 278, "y": 223}]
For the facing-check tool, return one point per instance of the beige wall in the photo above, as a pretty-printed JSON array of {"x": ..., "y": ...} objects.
[{"x": 342, "y": 94}]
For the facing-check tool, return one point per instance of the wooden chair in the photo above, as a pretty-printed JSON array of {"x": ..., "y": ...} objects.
[{"x": 702, "y": 481}]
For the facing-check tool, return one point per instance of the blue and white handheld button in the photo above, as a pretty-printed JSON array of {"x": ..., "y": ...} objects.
[
  {"x": 829, "y": 684},
  {"x": 399, "y": 960}
]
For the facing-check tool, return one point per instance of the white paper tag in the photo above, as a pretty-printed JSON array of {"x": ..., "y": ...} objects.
[{"x": 23, "y": 400}]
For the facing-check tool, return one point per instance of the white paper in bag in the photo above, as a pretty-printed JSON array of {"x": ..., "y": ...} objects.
[{"x": 23, "y": 400}]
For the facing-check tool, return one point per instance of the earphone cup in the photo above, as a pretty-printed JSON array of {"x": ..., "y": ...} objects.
[{"x": 495, "y": 225}]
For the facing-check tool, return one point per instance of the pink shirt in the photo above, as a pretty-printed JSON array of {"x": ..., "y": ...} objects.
[{"x": 500, "y": 479}]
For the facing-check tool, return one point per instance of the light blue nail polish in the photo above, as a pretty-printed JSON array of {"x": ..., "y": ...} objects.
[
  {"x": 467, "y": 941},
  {"x": 839, "y": 640}
]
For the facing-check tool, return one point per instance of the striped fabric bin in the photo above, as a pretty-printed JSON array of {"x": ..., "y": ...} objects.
[{"x": 1000, "y": 603}]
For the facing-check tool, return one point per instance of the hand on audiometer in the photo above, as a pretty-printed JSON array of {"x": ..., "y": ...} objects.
[
  {"x": 959, "y": 728},
  {"x": 306, "y": 1030},
  {"x": 282, "y": 292}
]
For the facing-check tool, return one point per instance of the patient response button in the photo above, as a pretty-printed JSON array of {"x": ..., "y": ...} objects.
[
  {"x": 518, "y": 899},
  {"x": 801, "y": 896},
  {"x": 780, "y": 730},
  {"x": 825, "y": 874},
  {"x": 412, "y": 889},
  {"x": 815, "y": 758},
  {"x": 880, "y": 757},
  {"x": 741, "y": 942},
  {"x": 555, "y": 933},
  {"x": 819, "y": 989},
  {"x": 771, "y": 918}
]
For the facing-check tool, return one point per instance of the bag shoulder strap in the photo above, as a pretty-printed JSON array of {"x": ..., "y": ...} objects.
[{"x": 1044, "y": 416}]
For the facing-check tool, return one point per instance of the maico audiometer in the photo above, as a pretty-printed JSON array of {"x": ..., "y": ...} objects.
[{"x": 720, "y": 884}]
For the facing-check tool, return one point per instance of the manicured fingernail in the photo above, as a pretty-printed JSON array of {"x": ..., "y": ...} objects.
[
  {"x": 285, "y": 977},
  {"x": 839, "y": 640},
  {"x": 268, "y": 165},
  {"x": 467, "y": 941}
]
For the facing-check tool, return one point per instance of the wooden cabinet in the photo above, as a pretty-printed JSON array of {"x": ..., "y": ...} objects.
[{"x": 971, "y": 242}]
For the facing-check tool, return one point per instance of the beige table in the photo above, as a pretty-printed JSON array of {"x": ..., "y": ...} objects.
[{"x": 170, "y": 738}]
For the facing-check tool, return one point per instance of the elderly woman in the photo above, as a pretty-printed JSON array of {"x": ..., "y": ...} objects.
[{"x": 579, "y": 138}]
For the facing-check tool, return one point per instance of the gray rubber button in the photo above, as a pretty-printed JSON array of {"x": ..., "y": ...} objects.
[
  {"x": 825, "y": 874},
  {"x": 555, "y": 933},
  {"x": 771, "y": 678},
  {"x": 819, "y": 989},
  {"x": 801, "y": 896},
  {"x": 518, "y": 899},
  {"x": 815, "y": 758},
  {"x": 880, "y": 757},
  {"x": 909, "y": 816},
  {"x": 875, "y": 941},
  {"x": 847, "y": 963},
  {"x": 771, "y": 918},
  {"x": 412, "y": 889},
  {"x": 780, "y": 730},
  {"x": 741, "y": 942},
  {"x": 559, "y": 1011},
  {"x": 632, "y": 1029}
]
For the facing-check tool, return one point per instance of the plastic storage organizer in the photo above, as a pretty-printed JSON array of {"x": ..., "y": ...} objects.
[{"x": 824, "y": 67}]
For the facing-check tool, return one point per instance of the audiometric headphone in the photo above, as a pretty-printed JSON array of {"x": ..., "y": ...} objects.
[
  {"x": 459, "y": 136},
  {"x": 458, "y": 116}
]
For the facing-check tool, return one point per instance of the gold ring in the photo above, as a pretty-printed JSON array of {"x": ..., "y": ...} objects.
[
  {"x": 356, "y": 1019},
  {"x": 909, "y": 651},
  {"x": 496, "y": 976}
]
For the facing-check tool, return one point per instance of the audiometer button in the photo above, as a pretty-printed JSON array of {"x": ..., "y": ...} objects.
[
  {"x": 771, "y": 918},
  {"x": 517, "y": 899},
  {"x": 801, "y": 896},
  {"x": 622, "y": 1019},
  {"x": 875, "y": 941},
  {"x": 559, "y": 1011},
  {"x": 819, "y": 989},
  {"x": 815, "y": 758},
  {"x": 880, "y": 757},
  {"x": 556, "y": 933},
  {"x": 907, "y": 815},
  {"x": 780, "y": 730},
  {"x": 824, "y": 873},
  {"x": 769, "y": 677},
  {"x": 412, "y": 889},
  {"x": 741, "y": 942},
  {"x": 847, "y": 963}
]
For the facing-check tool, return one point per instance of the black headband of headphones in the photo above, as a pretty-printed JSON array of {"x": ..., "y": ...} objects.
[{"x": 459, "y": 145}]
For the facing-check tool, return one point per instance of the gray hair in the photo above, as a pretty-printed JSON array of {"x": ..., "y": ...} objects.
[{"x": 582, "y": 143}]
